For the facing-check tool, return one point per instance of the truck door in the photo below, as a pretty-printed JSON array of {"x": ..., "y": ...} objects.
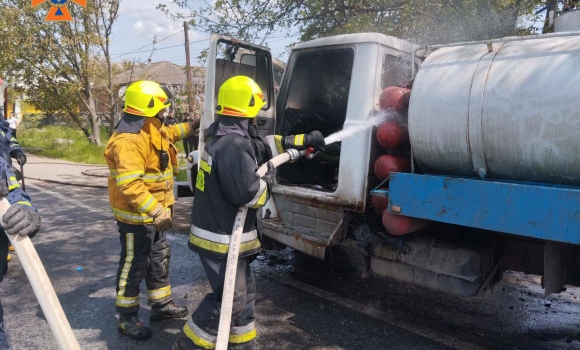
[{"x": 230, "y": 57}]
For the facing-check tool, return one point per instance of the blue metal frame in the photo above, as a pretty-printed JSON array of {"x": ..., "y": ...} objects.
[{"x": 541, "y": 211}]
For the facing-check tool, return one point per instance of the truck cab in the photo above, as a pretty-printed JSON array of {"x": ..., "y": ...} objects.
[
  {"x": 328, "y": 84},
  {"x": 465, "y": 202}
]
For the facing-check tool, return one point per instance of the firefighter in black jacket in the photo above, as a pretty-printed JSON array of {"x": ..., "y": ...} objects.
[{"x": 226, "y": 180}]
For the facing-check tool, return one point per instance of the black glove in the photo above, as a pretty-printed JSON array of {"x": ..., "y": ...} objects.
[
  {"x": 270, "y": 174},
  {"x": 16, "y": 172},
  {"x": 19, "y": 156},
  {"x": 300, "y": 142},
  {"x": 315, "y": 140},
  {"x": 193, "y": 125},
  {"x": 21, "y": 220}
]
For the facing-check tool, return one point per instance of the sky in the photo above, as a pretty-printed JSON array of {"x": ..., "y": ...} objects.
[{"x": 139, "y": 21}]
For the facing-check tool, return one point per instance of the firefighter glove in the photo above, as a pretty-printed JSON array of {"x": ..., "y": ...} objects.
[
  {"x": 193, "y": 125},
  {"x": 162, "y": 219},
  {"x": 270, "y": 174},
  {"x": 21, "y": 220},
  {"x": 315, "y": 140},
  {"x": 16, "y": 172},
  {"x": 19, "y": 156}
]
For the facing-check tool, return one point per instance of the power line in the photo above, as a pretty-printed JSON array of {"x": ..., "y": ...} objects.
[
  {"x": 169, "y": 47},
  {"x": 137, "y": 50},
  {"x": 167, "y": 54},
  {"x": 273, "y": 41}
]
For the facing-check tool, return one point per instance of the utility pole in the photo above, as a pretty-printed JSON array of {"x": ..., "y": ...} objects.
[
  {"x": 188, "y": 85},
  {"x": 551, "y": 9}
]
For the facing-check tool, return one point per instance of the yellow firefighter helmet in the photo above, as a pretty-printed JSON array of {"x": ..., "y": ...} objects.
[
  {"x": 146, "y": 98},
  {"x": 241, "y": 97}
]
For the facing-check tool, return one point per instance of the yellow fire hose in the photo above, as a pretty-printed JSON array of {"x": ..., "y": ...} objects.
[{"x": 234, "y": 252}]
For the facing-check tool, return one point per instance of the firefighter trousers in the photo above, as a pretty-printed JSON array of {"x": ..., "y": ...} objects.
[
  {"x": 145, "y": 253},
  {"x": 201, "y": 329}
]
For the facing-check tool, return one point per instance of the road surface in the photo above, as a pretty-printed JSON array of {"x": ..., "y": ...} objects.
[{"x": 302, "y": 303}]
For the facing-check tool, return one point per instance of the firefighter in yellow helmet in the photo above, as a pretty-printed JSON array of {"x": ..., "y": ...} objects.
[
  {"x": 142, "y": 160},
  {"x": 226, "y": 180}
]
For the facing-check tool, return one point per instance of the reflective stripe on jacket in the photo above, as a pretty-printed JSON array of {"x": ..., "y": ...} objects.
[
  {"x": 226, "y": 180},
  {"x": 137, "y": 184}
]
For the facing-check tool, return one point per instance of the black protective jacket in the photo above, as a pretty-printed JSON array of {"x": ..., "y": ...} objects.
[{"x": 226, "y": 180}]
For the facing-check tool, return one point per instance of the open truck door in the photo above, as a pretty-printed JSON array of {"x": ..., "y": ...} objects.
[{"x": 227, "y": 58}]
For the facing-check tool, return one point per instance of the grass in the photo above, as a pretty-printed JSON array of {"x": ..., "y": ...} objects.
[
  {"x": 73, "y": 145},
  {"x": 182, "y": 175}
]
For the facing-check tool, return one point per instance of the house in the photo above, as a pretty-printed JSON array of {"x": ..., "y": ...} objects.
[{"x": 171, "y": 76}]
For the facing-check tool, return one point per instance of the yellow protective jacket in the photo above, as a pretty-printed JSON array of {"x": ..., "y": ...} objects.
[{"x": 136, "y": 183}]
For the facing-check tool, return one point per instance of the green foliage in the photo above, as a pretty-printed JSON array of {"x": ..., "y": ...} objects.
[
  {"x": 61, "y": 142},
  {"x": 59, "y": 65},
  {"x": 420, "y": 21},
  {"x": 45, "y": 142},
  {"x": 30, "y": 121}
]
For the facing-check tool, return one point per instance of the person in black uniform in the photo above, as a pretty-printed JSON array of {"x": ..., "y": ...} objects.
[{"x": 227, "y": 179}]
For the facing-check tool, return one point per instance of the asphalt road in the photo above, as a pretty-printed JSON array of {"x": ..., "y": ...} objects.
[{"x": 302, "y": 303}]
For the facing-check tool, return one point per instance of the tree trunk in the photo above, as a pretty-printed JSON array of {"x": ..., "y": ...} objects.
[
  {"x": 94, "y": 118},
  {"x": 80, "y": 124},
  {"x": 86, "y": 98},
  {"x": 111, "y": 95}
]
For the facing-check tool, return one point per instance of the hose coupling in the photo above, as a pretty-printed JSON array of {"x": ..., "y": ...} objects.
[{"x": 294, "y": 154}]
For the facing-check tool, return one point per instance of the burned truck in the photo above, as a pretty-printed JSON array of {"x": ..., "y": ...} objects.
[{"x": 475, "y": 169}]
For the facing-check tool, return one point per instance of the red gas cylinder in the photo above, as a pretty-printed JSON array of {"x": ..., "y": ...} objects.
[
  {"x": 401, "y": 225},
  {"x": 395, "y": 97},
  {"x": 392, "y": 135},
  {"x": 387, "y": 163},
  {"x": 379, "y": 204}
]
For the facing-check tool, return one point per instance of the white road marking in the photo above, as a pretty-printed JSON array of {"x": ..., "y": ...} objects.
[
  {"x": 380, "y": 315},
  {"x": 79, "y": 204}
]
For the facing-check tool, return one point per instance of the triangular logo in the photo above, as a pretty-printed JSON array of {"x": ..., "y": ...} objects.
[
  {"x": 58, "y": 14},
  {"x": 58, "y": 11}
]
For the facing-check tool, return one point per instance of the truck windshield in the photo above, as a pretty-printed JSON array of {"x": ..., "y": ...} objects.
[{"x": 316, "y": 99}]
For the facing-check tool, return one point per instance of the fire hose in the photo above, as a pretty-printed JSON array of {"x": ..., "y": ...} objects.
[
  {"x": 42, "y": 288},
  {"x": 22, "y": 173},
  {"x": 234, "y": 252}
]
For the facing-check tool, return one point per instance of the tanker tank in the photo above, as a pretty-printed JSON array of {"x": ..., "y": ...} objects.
[{"x": 510, "y": 113}]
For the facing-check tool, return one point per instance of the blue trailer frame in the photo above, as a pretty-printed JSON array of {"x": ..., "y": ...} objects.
[{"x": 544, "y": 211}]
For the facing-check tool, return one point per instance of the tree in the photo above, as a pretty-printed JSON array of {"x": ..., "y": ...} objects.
[
  {"x": 420, "y": 21},
  {"x": 105, "y": 12},
  {"x": 59, "y": 64}
]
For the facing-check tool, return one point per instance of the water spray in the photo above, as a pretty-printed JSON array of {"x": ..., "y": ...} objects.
[{"x": 377, "y": 119}]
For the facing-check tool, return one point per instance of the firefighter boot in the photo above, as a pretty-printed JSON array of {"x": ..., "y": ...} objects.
[
  {"x": 131, "y": 326},
  {"x": 170, "y": 310}
]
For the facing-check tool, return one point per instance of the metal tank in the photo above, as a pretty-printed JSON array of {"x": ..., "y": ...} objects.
[
  {"x": 510, "y": 113},
  {"x": 567, "y": 22}
]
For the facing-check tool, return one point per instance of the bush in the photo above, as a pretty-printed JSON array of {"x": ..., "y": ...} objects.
[{"x": 63, "y": 143}]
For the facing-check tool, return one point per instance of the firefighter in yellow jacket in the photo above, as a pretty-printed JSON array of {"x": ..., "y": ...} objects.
[{"x": 142, "y": 160}]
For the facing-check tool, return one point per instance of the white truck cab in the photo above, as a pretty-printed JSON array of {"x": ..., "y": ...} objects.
[{"x": 329, "y": 83}]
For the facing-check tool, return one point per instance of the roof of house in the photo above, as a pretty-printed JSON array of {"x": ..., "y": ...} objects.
[{"x": 163, "y": 72}]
